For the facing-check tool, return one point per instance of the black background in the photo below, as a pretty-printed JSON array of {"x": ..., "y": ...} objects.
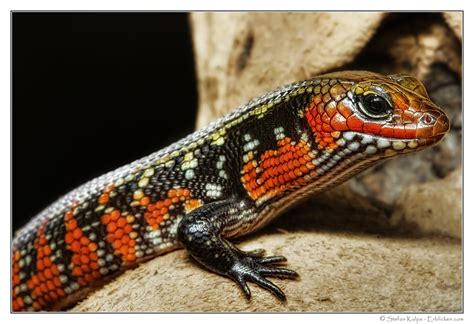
[{"x": 92, "y": 92}]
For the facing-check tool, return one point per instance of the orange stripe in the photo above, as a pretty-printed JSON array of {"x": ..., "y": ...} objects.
[
  {"x": 44, "y": 286},
  {"x": 278, "y": 170},
  {"x": 119, "y": 234},
  {"x": 84, "y": 258},
  {"x": 156, "y": 212}
]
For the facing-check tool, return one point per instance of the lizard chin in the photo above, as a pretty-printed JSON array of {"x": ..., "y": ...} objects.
[{"x": 385, "y": 146}]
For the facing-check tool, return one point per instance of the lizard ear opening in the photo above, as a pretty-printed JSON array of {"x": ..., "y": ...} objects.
[{"x": 410, "y": 83}]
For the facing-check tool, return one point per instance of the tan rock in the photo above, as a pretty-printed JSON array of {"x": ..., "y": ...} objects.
[
  {"x": 434, "y": 207},
  {"x": 454, "y": 20},
  {"x": 340, "y": 272}
]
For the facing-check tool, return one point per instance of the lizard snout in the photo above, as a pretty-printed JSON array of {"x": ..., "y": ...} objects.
[{"x": 432, "y": 125}]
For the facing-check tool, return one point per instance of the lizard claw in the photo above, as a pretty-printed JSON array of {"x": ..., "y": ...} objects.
[
  {"x": 272, "y": 259},
  {"x": 256, "y": 252},
  {"x": 251, "y": 266}
]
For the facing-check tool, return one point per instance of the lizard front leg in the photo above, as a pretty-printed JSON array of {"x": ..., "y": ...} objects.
[{"x": 200, "y": 232}]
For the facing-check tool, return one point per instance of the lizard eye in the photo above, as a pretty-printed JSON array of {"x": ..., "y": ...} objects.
[{"x": 375, "y": 106}]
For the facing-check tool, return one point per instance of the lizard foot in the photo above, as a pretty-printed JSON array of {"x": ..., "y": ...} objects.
[
  {"x": 199, "y": 233},
  {"x": 254, "y": 267}
]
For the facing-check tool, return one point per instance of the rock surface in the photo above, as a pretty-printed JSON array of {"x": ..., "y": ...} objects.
[
  {"x": 419, "y": 205},
  {"x": 343, "y": 268}
]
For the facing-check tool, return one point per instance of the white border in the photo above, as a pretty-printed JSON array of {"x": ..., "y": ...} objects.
[{"x": 243, "y": 5}]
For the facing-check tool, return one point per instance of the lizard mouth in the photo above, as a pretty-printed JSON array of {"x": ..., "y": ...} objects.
[
  {"x": 430, "y": 140},
  {"x": 386, "y": 146},
  {"x": 403, "y": 146},
  {"x": 431, "y": 127}
]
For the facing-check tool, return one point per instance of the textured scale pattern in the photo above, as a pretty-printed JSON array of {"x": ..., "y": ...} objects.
[{"x": 225, "y": 181}]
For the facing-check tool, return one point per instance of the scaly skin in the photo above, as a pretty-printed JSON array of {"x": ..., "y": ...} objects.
[{"x": 225, "y": 181}]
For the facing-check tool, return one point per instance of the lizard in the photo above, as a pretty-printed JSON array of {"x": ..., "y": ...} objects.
[{"x": 219, "y": 183}]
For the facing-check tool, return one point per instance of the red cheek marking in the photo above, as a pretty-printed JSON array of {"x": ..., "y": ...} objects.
[
  {"x": 372, "y": 128},
  {"x": 355, "y": 124},
  {"x": 386, "y": 131},
  {"x": 399, "y": 131},
  {"x": 410, "y": 130},
  {"x": 338, "y": 123}
]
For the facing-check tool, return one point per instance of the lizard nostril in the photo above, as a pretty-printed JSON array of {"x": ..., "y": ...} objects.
[{"x": 428, "y": 119}]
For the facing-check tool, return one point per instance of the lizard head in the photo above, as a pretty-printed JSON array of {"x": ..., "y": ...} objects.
[{"x": 372, "y": 114}]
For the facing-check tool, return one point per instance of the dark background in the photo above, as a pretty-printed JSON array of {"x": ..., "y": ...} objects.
[{"x": 92, "y": 92}]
